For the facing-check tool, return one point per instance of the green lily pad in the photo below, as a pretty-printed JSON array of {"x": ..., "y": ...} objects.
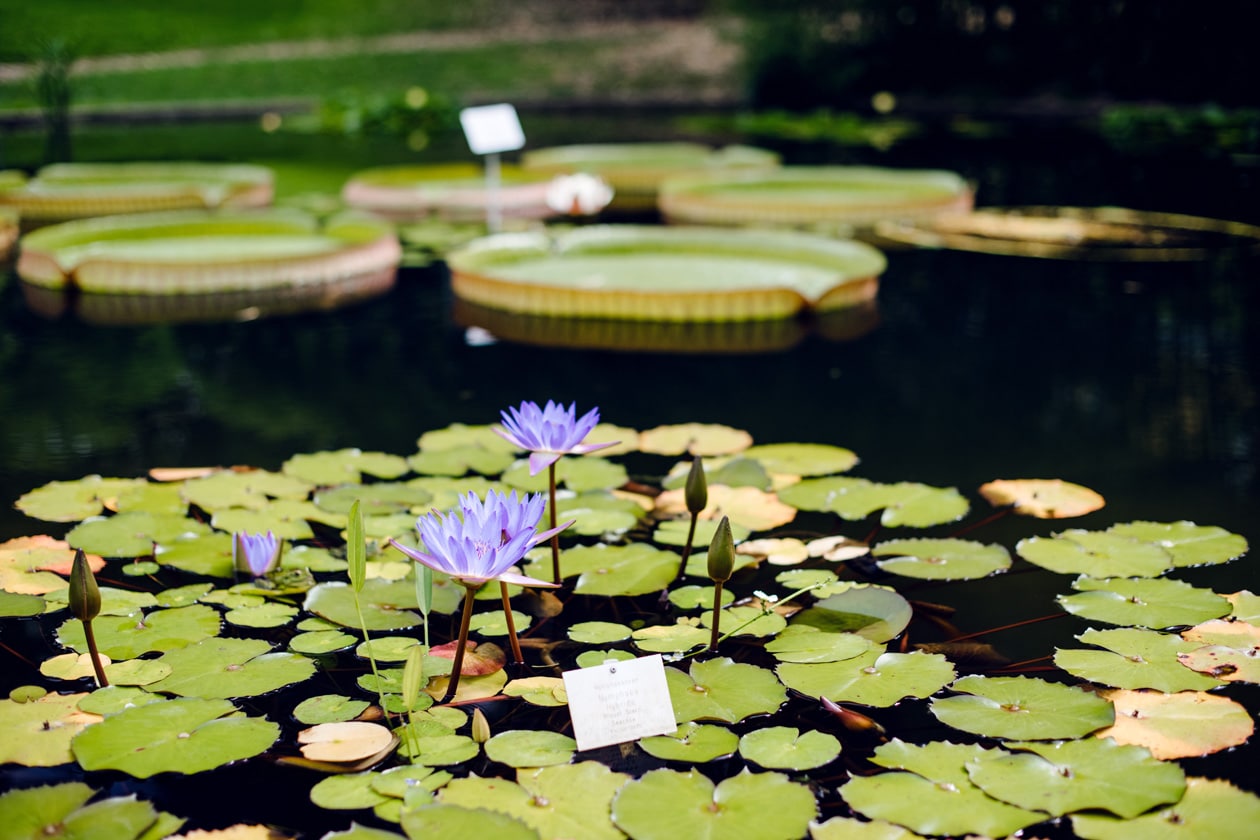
[
  {"x": 1153, "y": 602},
  {"x": 387, "y": 648},
  {"x": 131, "y": 534},
  {"x": 738, "y": 471},
  {"x": 115, "y": 698},
  {"x": 224, "y": 667},
  {"x": 455, "y": 822},
  {"x": 386, "y": 605},
  {"x": 721, "y": 689},
  {"x": 329, "y": 708},
  {"x": 846, "y": 828},
  {"x": 538, "y": 691},
  {"x": 183, "y": 596},
  {"x": 698, "y": 597},
  {"x": 787, "y": 748},
  {"x": 530, "y": 748},
  {"x": 671, "y": 638},
  {"x": 598, "y": 632},
  {"x": 251, "y": 489},
  {"x": 905, "y": 503},
  {"x": 347, "y": 792},
  {"x": 1087, "y": 774},
  {"x": 805, "y": 644},
  {"x": 130, "y": 636},
  {"x": 458, "y": 434},
  {"x": 446, "y": 490},
  {"x": 286, "y": 518},
  {"x": 187, "y": 735},
  {"x": 876, "y": 612},
  {"x": 60, "y": 811},
  {"x": 152, "y": 498},
  {"x": 136, "y": 672},
  {"x": 804, "y": 459},
  {"x": 635, "y": 569},
  {"x": 1022, "y": 708},
  {"x": 674, "y": 532},
  {"x": 361, "y": 832},
  {"x": 871, "y": 679},
  {"x": 320, "y": 642},
  {"x": 13, "y": 605},
  {"x": 140, "y": 569},
  {"x": 692, "y": 743},
  {"x": 1134, "y": 658},
  {"x": 38, "y": 733},
  {"x": 944, "y": 559},
  {"x": 1209, "y": 808},
  {"x": 314, "y": 559},
  {"x": 438, "y": 750},
  {"x": 114, "y": 601},
  {"x": 666, "y": 805},
  {"x": 380, "y": 499},
  {"x": 1188, "y": 543},
  {"x": 398, "y": 781},
  {"x": 329, "y": 468},
  {"x": 598, "y": 512},
  {"x": 456, "y": 461},
  {"x": 746, "y": 621},
  {"x": 494, "y": 622},
  {"x": 271, "y": 614},
  {"x": 591, "y": 658},
  {"x": 1097, "y": 554},
  {"x": 202, "y": 554},
  {"x": 579, "y": 474},
  {"x": 67, "y": 666},
  {"x": 73, "y": 501}
]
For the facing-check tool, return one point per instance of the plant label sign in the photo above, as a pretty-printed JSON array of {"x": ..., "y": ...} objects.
[
  {"x": 491, "y": 129},
  {"x": 619, "y": 701}
]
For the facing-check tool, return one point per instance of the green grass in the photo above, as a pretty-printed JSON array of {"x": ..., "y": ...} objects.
[{"x": 123, "y": 26}]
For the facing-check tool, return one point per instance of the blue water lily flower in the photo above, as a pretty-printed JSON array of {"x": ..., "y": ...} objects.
[
  {"x": 481, "y": 541},
  {"x": 549, "y": 432},
  {"x": 257, "y": 554}
]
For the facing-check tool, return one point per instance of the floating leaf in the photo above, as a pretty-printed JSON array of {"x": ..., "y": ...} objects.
[
  {"x": 386, "y": 605},
  {"x": 1022, "y": 708},
  {"x": 598, "y": 632},
  {"x": 250, "y": 489},
  {"x": 70, "y": 666},
  {"x": 398, "y": 781},
  {"x": 130, "y": 636},
  {"x": 671, "y": 638},
  {"x": 635, "y": 569},
  {"x": 720, "y": 689},
  {"x": 459, "y": 460},
  {"x": 692, "y": 743},
  {"x": 787, "y": 551},
  {"x": 1223, "y": 663},
  {"x": 1246, "y": 606},
  {"x": 694, "y": 439},
  {"x": 737, "y": 471},
  {"x": 114, "y": 698},
  {"x": 348, "y": 792},
  {"x": 787, "y": 748},
  {"x": 223, "y": 667},
  {"x": 837, "y": 549},
  {"x": 380, "y": 499},
  {"x": 329, "y": 468},
  {"x": 1210, "y": 808},
  {"x": 329, "y": 708},
  {"x": 38, "y": 733},
  {"x": 344, "y": 741},
  {"x": 38, "y": 565},
  {"x": 13, "y": 605},
  {"x": 1182, "y": 725},
  {"x": 805, "y": 644},
  {"x": 748, "y": 507},
  {"x": 747, "y": 621},
  {"x": 927, "y": 807},
  {"x": 804, "y": 459},
  {"x": 1134, "y": 659},
  {"x": 494, "y": 622},
  {"x": 1154, "y": 602},
  {"x": 320, "y": 642},
  {"x": 665, "y": 805},
  {"x": 698, "y": 597},
  {"x": 136, "y": 672},
  {"x": 579, "y": 474},
  {"x": 1066, "y": 776},
  {"x": 845, "y": 828},
  {"x": 876, "y": 612},
  {"x": 904, "y": 504},
  {"x": 1098, "y": 554},
  {"x": 944, "y": 559},
  {"x": 286, "y": 518},
  {"x": 175, "y": 736},
  {"x": 73, "y": 501},
  {"x": 199, "y": 554},
  {"x": 538, "y": 691},
  {"x": 459, "y": 435},
  {"x": 597, "y": 513},
  {"x": 530, "y": 748},
  {"x": 60, "y": 811},
  {"x": 439, "y": 750},
  {"x": 1188, "y": 543},
  {"x": 591, "y": 658},
  {"x": 871, "y": 679},
  {"x": 454, "y": 822},
  {"x": 271, "y": 614},
  {"x": 1044, "y": 498},
  {"x": 131, "y": 534}
]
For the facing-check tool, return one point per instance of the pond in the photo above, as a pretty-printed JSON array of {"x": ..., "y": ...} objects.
[{"x": 1138, "y": 380}]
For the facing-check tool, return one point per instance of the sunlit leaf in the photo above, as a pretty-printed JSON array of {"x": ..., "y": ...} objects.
[
  {"x": 928, "y": 807},
  {"x": 1181, "y": 725},
  {"x": 1098, "y": 554},
  {"x": 1022, "y": 708},
  {"x": 60, "y": 811},
  {"x": 721, "y": 689},
  {"x": 494, "y": 622},
  {"x": 271, "y": 614},
  {"x": 753, "y": 509},
  {"x": 347, "y": 792},
  {"x": 72, "y": 501},
  {"x": 804, "y": 459},
  {"x": 286, "y": 518},
  {"x": 530, "y": 748},
  {"x": 129, "y": 636},
  {"x": 1210, "y": 808},
  {"x": 379, "y": 499},
  {"x": 875, "y": 612},
  {"x": 131, "y": 534},
  {"x": 1188, "y": 543},
  {"x": 538, "y": 691},
  {"x": 1134, "y": 658},
  {"x": 805, "y": 644},
  {"x": 38, "y": 733},
  {"x": 746, "y": 621},
  {"x": 1152, "y": 602},
  {"x": 455, "y": 822},
  {"x": 634, "y": 569},
  {"x": 330, "y": 468},
  {"x": 671, "y": 638},
  {"x": 329, "y": 708},
  {"x": 787, "y": 551},
  {"x": 387, "y": 605},
  {"x": 698, "y": 597},
  {"x": 598, "y": 632},
  {"x": 200, "y": 554},
  {"x": 846, "y": 828},
  {"x": 1044, "y": 498},
  {"x": 838, "y": 548},
  {"x": 568, "y": 800},
  {"x": 694, "y": 439},
  {"x": 244, "y": 489},
  {"x": 344, "y": 741},
  {"x": 871, "y": 679},
  {"x": 942, "y": 559},
  {"x": 692, "y": 743},
  {"x": 225, "y": 667},
  {"x": 787, "y": 748}
]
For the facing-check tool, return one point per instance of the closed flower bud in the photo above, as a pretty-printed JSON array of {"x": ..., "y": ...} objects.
[
  {"x": 480, "y": 727},
  {"x": 696, "y": 493},
  {"x": 722, "y": 553},
  {"x": 85, "y": 597}
]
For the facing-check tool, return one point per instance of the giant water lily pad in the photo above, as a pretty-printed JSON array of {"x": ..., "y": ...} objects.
[
  {"x": 1153, "y": 602},
  {"x": 1066, "y": 776},
  {"x": 721, "y": 689},
  {"x": 187, "y": 735},
  {"x": 1209, "y": 808},
  {"x": 1134, "y": 658},
  {"x": 872, "y": 679},
  {"x": 223, "y": 667},
  {"x": 665, "y": 805},
  {"x": 665, "y": 274},
  {"x": 1181, "y": 725},
  {"x": 1022, "y": 708},
  {"x": 39, "y": 732},
  {"x": 943, "y": 559}
]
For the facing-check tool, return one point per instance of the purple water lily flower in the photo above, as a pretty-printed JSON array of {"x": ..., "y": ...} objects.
[
  {"x": 549, "y": 432},
  {"x": 257, "y": 554},
  {"x": 481, "y": 541}
]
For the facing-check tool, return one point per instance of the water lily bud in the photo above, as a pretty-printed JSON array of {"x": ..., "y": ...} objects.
[
  {"x": 480, "y": 727},
  {"x": 85, "y": 597},
  {"x": 722, "y": 553},
  {"x": 697, "y": 490}
]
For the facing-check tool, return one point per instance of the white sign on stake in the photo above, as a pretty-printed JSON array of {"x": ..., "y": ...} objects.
[
  {"x": 619, "y": 701},
  {"x": 491, "y": 129}
]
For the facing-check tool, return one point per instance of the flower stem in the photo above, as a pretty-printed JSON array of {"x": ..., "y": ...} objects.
[
  {"x": 555, "y": 538},
  {"x": 686, "y": 552},
  {"x": 101, "y": 682},
  {"x": 517, "y": 657},
  {"x": 717, "y": 616},
  {"x": 464, "y": 620}
]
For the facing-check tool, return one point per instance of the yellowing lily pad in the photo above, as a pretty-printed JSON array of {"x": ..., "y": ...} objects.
[
  {"x": 1044, "y": 498},
  {"x": 38, "y": 733},
  {"x": 694, "y": 439},
  {"x": 1181, "y": 725},
  {"x": 345, "y": 741},
  {"x": 73, "y": 501},
  {"x": 754, "y": 509}
]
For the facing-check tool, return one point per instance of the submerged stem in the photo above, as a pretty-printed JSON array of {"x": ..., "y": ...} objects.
[
  {"x": 464, "y": 620},
  {"x": 1009, "y": 626}
]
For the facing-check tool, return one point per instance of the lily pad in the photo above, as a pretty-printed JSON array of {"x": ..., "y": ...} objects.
[
  {"x": 61, "y": 811},
  {"x": 187, "y": 735},
  {"x": 1044, "y": 498},
  {"x": 344, "y": 741},
  {"x": 803, "y": 459},
  {"x": 130, "y": 636},
  {"x": 748, "y": 507},
  {"x": 455, "y": 822},
  {"x": 1153, "y": 602},
  {"x": 805, "y": 644},
  {"x": 943, "y": 559},
  {"x": 871, "y": 679},
  {"x": 875, "y": 612},
  {"x": 907, "y": 504},
  {"x": 666, "y": 805},
  {"x": 746, "y": 621},
  {"x": 456, "y": 461},
  {"x": 73, "y": 501},
  {"x": 329, "y": 708},
  {"x": 224, "y": 667},
  {"x": 598, "y": 632},
  {"x": 538, "y": 691},
  {"x": 1097, "y": 554},
  {"x": 271, "y": 614},
  {"x": 694, "y": 439},
  {"x": 329, "y": 468},
  {"x": 13, "y": 605},
  {"x": 1134, "y": 658},
  {"x": 348, "y": 792},
  {"x": 1209, "y": 808},
  {"x": 202, "y": 554},
  {"x": 846, "y": 828},
  {"x": 635, "y": 569},
  {"x": 671, "y": 638},
  {"x": 39, "y": 732},
  {"x": 1022, "y": 708},
  {"x": 1066, "y": 776},
  {"x": 379, "y": 499},
  {"x": 386, "y": 605},
  {"x": 1223, "y": 663},
  {"x": 721, "y": 689},
  {"x": 131, "y": 534},
  {"x": 1188, "y": 543},
  {"x": 320, "y": 642},
  {"x": 530, "y": 748},
  {"x": 438, "y": 750},
  {"x": 786, "y": 551},
  {"x": 1182, "y": 725},
  {"x": 787, "y": 748},
  {"x": 699, "y": 597},
  {"x": 579, "y": 474},
  {"x": 692, "y": 743},
  {"x": 251, "y": 489}
]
